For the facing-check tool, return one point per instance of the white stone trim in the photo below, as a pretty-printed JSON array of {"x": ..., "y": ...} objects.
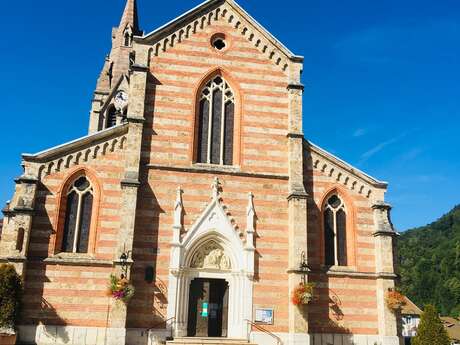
[{"x": 213, "y": 224}]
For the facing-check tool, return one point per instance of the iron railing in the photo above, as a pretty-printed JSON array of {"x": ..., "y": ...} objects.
[
  {"x": 251, "y": 324},
  {"x": 165, "y": 322}
]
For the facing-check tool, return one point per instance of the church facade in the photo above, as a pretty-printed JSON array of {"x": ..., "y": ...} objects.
[{"x": 196, "y": 185}]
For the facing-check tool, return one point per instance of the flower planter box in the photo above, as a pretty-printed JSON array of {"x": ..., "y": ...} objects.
[{"x": 8, "y": 339}]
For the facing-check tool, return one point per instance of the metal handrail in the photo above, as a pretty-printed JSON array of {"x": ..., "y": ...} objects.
[{"x": 279, "y": 341}]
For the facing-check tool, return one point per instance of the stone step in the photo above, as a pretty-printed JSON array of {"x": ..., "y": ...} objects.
[{"x": 208, "y": 341}]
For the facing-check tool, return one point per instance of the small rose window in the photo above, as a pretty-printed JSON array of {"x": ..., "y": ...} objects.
[{"x": 219, "y": 42}]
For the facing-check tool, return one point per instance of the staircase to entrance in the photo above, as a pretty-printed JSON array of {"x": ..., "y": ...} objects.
[{"x": 208, "y": 341}]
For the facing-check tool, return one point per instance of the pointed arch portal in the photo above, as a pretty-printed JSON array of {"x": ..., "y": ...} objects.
[{"x": 211, "y": 275}]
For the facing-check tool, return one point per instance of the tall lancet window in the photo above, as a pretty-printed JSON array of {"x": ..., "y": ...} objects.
[
  {"x": 79, "y": 209},
  {"x": 111, "y": 117},
  {"x": 215, "y": 123},
  {"x": 335, "y": 232}
]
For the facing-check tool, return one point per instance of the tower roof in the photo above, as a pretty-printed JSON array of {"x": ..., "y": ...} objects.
[{"x": 130, "y": 17}]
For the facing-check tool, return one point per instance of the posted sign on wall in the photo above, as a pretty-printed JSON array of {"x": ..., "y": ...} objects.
[{"x": 264, "y": 315}]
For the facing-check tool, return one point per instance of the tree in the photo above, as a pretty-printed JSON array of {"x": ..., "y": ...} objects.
[
  {"x": 10, "y": 296},
  {"x": 431, "y": 330},
  {"x": 429, "y": 260}
]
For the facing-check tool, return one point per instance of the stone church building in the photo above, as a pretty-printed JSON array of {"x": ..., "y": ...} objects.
[{"x": 196, "y": 182}]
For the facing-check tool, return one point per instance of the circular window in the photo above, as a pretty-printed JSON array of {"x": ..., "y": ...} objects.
[{"x": 219, "y": 42}]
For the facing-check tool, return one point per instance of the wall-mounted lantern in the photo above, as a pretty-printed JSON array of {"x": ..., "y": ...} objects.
[
  {"x": 124, "y": 257},
  {"x": 303, "y": 267}
]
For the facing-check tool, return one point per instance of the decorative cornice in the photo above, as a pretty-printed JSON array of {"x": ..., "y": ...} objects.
[
  {"x": 77, "y": 261},
  {"x": 217, "y": 170},
  {"x": 297, "y": 195},
  {"x": 341, "y": 170},
  {"x": 295, "y": 135},
  {"x": 130, "y": 183},
  {"x": 78, "y": 151},
  {"x": 297, "y": 58},
  {"x": 353, "y": 274},
  {"x": 381, "y": 205},
  {"x": 135, "y": 119},
  {"x": 18, "y": 259},
  {"x": 139, "y": 68},
  {"x": 18, "y": 211},
  {"x": 296, "y": 87},
  {"x": 386, "y": 233},
  {"x": 26, "y": 180}
]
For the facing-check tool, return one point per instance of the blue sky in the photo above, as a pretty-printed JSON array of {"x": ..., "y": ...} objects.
[{"x": 382, "y": 84}]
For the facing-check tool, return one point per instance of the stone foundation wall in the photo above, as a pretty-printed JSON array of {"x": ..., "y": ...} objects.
[
  {"x": 323, "y": 339},
  {"x": 74, "y": 335}
]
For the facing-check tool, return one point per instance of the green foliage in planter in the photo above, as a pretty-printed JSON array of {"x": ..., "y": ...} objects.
[
  {"x": 431, "y": 330},
  {"x": 10, "y": 296}
]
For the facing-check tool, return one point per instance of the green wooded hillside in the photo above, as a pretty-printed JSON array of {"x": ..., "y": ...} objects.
[{"x": 430, "y": 264}]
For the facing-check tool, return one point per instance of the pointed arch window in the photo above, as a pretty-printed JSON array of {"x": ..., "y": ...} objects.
[
  {"x": 127, "y": 39},
  {"x": 216, "y": 120},
  {"x": 335, "y": 232},
  {"x": 111, "y": 117},
  {"x": 79, "y": 209}
]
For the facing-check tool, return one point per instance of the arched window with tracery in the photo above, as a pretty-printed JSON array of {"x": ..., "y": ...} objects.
[
  {"x": 335, "y": 232},
  {"x": 79, "y": 209},
  {"x": 216, "y": 120}
]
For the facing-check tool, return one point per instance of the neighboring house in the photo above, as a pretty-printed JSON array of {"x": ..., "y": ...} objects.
[
  {"x": 453, "y": 328},
  {"x": 410, "y": 315},
  {"x": 197, "y": 183}
]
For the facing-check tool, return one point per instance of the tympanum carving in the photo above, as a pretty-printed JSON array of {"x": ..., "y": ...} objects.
[{"x": 211, "y": 256}]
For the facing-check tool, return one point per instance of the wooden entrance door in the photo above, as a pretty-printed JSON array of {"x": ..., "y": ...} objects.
[{"x": 208, "y": 308}]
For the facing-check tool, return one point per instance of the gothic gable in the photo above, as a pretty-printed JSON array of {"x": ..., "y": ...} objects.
[
  {"x": 209, "y": 12},
  {"x": 213, "y": 226}
]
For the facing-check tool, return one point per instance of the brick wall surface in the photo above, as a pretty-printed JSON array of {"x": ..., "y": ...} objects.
[
  {"x": 71, "y": 294},
  {"x": 346, "y": 304}
]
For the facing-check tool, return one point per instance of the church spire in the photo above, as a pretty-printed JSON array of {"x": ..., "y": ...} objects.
[
  {"x": 117, "y": 64},
  {"x": 130, "y": 17}
]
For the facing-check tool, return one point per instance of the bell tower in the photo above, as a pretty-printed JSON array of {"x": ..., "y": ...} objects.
[{"x": 116, "y": 66}]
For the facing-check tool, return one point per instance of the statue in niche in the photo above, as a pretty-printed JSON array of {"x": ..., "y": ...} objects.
[{"x": 211, "y": 256}]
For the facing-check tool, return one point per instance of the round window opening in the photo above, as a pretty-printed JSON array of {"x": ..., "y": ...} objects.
[{"x": 218, "y": 42}]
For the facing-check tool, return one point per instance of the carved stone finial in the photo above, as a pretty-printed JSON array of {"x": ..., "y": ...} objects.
[
  {"x": 179, "y": 193},
  {"x": 250, "y": 222},
  {"x": 250, "y": 212},
  {"x": 178, "y": 219},
  {"x": 216, "y": 185}
]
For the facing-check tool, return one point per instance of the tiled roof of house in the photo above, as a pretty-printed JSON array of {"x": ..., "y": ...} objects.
[
  {"x": 410, "y": 308},
  {"x": 452, "y": 326}
]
